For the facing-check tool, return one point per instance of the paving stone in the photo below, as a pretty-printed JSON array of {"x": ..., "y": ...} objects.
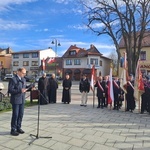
[
  {"x": 60, "y": 146},
  {"x": 103, "y": 147}
]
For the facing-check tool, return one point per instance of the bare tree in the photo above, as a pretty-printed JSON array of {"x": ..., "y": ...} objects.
[{"x": 126, "y": 19}]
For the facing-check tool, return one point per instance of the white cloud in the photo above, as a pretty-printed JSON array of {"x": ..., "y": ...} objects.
[
  {"x": 9, "y": 2},
  {"x": 8, "y": 25},
  {"x": 6, "y": 4}
]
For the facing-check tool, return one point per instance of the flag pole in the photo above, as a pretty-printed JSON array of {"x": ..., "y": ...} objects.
[
  {"x": 139, "y": 104},
  {"x": 94, "y": 97}
]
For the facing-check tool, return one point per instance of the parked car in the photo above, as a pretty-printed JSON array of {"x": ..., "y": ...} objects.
[
  {"x": 8, "y": 76},
  {"x": 29, "y": 78}
]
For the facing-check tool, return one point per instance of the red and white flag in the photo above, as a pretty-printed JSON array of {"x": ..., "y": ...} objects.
[
  {"x": 138, "y": 83},
  {"x": 92, "y": 78},
  {"x": 43, "y": 64},
  {"x": 110, "y": 88},
  {"x": 51, "y": 60}
]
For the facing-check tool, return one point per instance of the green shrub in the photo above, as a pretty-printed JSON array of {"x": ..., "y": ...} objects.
[{"x": 5, "y": 104}]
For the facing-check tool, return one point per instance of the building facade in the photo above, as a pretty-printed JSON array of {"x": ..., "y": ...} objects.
[
  {"x": 5, "y": 61},
  {"x": 144, "y": 55},
  {"x": 31, "y": 60},
  {"x": 78, "y": 61}
]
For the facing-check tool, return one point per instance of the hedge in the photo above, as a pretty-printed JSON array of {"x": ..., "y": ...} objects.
[{"x": 5, "y": 104}]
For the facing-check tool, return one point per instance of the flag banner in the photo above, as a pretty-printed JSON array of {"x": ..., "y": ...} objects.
[
  {"x": 43, "y": 64},
  {"x": 110, "y": 89},
  {"x": 124, "y": 76},
  {"x": 92, "y": 78},
  {"x": 138, "y": 83},
  {"x": 123, "y": 81},
  {"x": 51, "y": 60}
]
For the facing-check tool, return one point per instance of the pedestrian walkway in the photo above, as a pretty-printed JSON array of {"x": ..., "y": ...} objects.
[{"x": 73, "y": 127}]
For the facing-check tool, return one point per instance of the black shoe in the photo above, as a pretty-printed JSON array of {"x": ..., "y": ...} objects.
[
  {"x": 20, "y": 131},
  {"x": 81, "y": 105},
  {"x": 14, "y": 133},
  {"x": 85, "y": 105},
  {"x": 142, "y": 112}
]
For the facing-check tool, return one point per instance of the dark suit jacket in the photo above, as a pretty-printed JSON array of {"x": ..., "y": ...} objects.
[{"x": 15, "y": 89}]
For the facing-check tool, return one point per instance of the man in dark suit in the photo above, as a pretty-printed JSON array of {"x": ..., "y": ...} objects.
[
  {"x": 101, "y": 88},
  {"x": 17, "y": 88}
]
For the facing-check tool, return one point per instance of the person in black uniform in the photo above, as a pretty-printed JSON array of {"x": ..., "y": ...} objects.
[
  {"x": 84, "y": 88},
  {"x": 116, "y": 90},
  {"x": 52, "y": 89},
  {"x": 147, "y": 95},
  {"x": 66, "y": 94},
  {"x": 42, "y": 87},
  {"x": 106, "y": 91},
  {"x": 130, "y": 94},
  {"x": 101, "y": 87}
]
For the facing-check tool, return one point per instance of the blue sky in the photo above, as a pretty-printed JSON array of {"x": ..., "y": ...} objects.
[{"x": 33, "y": 24}]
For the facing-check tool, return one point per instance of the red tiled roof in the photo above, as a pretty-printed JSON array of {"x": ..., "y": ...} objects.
[{"x": 81, "y": 52}]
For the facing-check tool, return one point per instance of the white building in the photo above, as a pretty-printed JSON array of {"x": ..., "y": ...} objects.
[{"x": 30, "y": 59}]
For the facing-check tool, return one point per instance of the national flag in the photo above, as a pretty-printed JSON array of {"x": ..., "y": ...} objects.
[
  {"x": 51, "y": 60},
  {"x": 110, "y": 88},
  {"x": 43, "y": 64},
  {"x": 138, "y": 83},
  {"x": 92, "y": 78}
]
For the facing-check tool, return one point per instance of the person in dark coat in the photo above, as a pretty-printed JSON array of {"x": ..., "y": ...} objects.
[
  {"x": 17, "y": 88},
  {"x": 66, "y": 95},
  {"x": 130, "y": 94},
  {"x": 42, "y": 87},
  {"x": 116, "y": 90},
  {"x": 101, "y": 88},
  {"x": 84, "y": 88},
  {"x": 52, "y": 89},
  {"x": 106, "y": 91}
]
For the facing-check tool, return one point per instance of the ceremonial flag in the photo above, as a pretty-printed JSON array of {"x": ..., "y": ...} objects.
[
  {"x": 138, "y": 83},
  {"x": 110, "y": 88},
  {"x": 43, "y": 64},
  {"x": 123, "y": 80},
  {"x": 51, "y": 60},
  {"x": 92, "y": 78}
]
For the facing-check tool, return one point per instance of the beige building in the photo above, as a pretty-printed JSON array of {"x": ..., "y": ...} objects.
[
  {"x": 144, "y": 56},
  {"x": 5, "y": 61}
]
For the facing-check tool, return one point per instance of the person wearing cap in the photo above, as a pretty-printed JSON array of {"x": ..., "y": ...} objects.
[
  {"x": 84, "y": 88},
  {"x": 130, "y": 94},
  {"x": 42, "y": 87},
  {"x": 66, "y": 94}
]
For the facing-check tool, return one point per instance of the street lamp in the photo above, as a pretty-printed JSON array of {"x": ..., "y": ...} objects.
[{"x": 57, "y": 43}]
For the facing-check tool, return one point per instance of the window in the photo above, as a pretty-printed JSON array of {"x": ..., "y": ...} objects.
[
  {"x": 25, "y": 55},
  {"x": 94, "y": 61},
  {"x": 77, "y": 62},
  {"x": 34, "y": 63},
  {"x": 35, "y": 55},
  {"x": 68, "y": 62},
  {"x": 25, "y": 63},
  {"x": 16, "y": 63},
  {"x": 100, "y": 62},
  {"x": 15, "y": 55},
  {"x": 143, "y": 55},
  {"x": 73, "y": 52}
]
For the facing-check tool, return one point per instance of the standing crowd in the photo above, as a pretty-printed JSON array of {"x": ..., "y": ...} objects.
[{"x": 48, "y": 94}]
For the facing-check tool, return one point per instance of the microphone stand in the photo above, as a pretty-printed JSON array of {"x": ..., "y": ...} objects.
[{"x": 38, "y": 121}]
